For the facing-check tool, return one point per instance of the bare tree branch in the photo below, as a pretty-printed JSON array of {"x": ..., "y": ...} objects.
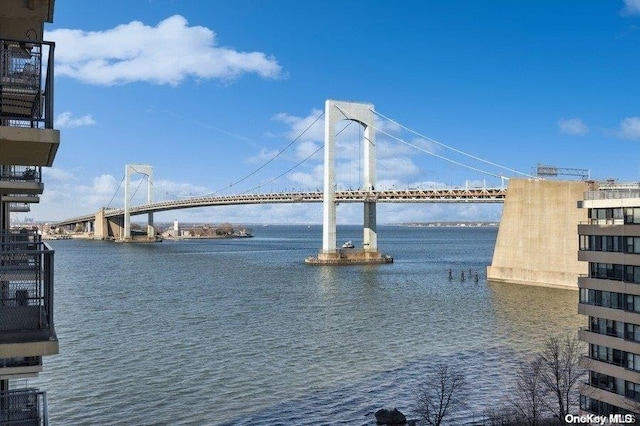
[{"x": 440, "y": 394}]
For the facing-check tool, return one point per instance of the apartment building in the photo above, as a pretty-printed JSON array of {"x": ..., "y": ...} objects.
[
  {"x": 610, "y": 298},
  {"x": 28, "y": 142}
]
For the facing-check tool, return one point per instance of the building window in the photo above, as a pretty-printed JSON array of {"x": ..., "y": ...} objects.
[
  {"x": 611, "y": 356},
  {"x": 631, "y": 215},
  {"x": 633, "y": 361},
  {"x": 632, "y": 332},
  {"x": 633, "y": 303},
  {"x": 606, "y": 326},
  {"x": 632, "y": 390},
  {"x": 633, "y": 245},
  {"x": 602, "y": 381}
]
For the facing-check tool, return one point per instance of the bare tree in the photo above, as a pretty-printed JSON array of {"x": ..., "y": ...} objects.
[
  {"x": 528, "y": 399},
  {"x": 561, "y": 372},
  {"x": 440, "y": 394}
]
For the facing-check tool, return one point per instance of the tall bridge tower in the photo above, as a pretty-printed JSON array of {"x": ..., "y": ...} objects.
[
  {"x": 362, "y": 114},
  {"x": 146, "y": 170}
]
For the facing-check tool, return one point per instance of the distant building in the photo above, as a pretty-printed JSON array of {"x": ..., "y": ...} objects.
[{"x": 610, "y": 297}]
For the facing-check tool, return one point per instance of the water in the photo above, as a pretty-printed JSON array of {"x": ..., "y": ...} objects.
[{"x": 242, "y": 332}]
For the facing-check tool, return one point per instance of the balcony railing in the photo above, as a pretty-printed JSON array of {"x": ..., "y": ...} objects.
[
  {"x": 26, "y": 90},
  {"x": 26, "y": 288},
  {"x": 21, "y": 174},
  {"x": 23, "y": 407}
]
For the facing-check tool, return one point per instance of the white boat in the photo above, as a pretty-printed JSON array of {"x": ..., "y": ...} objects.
[{"x": 348, "y": 244}]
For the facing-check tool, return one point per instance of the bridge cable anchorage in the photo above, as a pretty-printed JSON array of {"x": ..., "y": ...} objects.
[
  {"x": 231, "y": 185},
  {"x": 293, "y": 167},
  {"x": 452, "y": 148}
]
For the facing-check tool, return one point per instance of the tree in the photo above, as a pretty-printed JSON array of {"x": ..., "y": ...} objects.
[
  {"x": 561, "y": 372},
  {"x": 441, "y": 394},
  {"x": 528, "y": 398}
]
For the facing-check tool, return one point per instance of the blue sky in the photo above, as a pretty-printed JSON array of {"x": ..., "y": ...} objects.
[{"x": 207, "y": 91}]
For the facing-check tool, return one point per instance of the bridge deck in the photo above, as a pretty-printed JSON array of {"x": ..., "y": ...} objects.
[{"x": 454, "y": 195}]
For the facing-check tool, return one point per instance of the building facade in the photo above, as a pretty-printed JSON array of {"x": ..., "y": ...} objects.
[
  {"x": 610, "y": 298},
  {"x": 28, "y": 142}
]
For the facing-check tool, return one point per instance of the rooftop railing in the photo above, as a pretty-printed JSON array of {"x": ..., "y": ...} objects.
[
  {"x": 26, "y": 288},
  {"x": 26, "y": 89},
  {"x": 612, "y": 194},
  {"x": 23, "y": 407}
]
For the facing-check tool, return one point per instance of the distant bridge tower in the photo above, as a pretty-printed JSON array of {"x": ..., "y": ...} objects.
[
  {"x": 363, "y": 115},
  {"x": 146, "y": 170}
]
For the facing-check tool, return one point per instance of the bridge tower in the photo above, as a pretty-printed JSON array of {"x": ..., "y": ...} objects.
[
  {"x": 362, "y": 114},
  {"x": 146, "y": 170}
]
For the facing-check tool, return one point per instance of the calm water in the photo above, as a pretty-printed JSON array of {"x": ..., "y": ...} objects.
[{"x": 242, "y": 332}]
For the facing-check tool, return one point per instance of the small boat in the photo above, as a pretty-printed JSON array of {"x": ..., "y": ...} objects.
[{"x": 348, "y": 244}]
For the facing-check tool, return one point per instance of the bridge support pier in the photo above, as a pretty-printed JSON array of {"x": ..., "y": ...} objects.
[{"x": 330, "y": 254}]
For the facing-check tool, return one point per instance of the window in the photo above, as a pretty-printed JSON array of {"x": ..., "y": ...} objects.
[
  {"x": 602, "y": 381},
  {"x": 632, "y": 390},
  {"x": 631, "y": 215},
  {"x": 632, "y": 245},
  {"x": 632, "y": 332},
  {"x": 633, "y": 303},
  {"x": 633, "y": 361}
]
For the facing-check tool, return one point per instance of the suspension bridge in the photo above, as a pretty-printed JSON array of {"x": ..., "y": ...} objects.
[{"x": 114, "y": 223}]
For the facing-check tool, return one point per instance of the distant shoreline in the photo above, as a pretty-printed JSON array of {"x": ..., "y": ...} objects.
[
  {"x": 208, "y": 237},
  {"x": 469, "y": 224}
]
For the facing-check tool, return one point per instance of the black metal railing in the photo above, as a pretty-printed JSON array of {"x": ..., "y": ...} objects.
[
  {"x": 23, "y": 407},
  {"x": 26, "y": 90},
  {"x": 21, "y": 173},
  {"x": 26, "y": 287}
]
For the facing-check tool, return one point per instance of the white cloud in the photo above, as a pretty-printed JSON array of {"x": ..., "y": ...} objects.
[
  {"x": 309, "y": 128},
  {"x": 56, "y": 174},
  {"x": 629, "y": 128},
  {"x": 263, "y": 156},
  {"x": 631, "y": 7},
  {"x": 573, "y": 126},
  {"x": 66, "y": 120},
  {"x": 165, "y": 54}
]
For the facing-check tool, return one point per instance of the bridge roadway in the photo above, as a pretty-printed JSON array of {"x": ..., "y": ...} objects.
[{"x": 453, "y": 195}]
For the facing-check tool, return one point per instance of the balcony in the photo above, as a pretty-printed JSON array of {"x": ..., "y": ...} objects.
[
  {"x": 21, "y": 180},
  {"x": 26, "y": 296},
  {"x": 19, "y": 207},
  {"x": 23, "y": 407},
  {"x": 27, "y": 137}
]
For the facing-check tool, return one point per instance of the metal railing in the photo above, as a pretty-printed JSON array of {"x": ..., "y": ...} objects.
[
  {"x": 26, "y": 90},
  {"x": 26, "y": 287},
  {"x": 21, "y": 173},
  {"x": 23, "y": 407},
  {"x": 612, "y": 194}
]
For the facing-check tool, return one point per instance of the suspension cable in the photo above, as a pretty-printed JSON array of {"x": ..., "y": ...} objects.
[
  {"x": 268, "y": 161},
  {"x": 450, "y": 147},
  {"x": 116, "y": 193},
  {"x": 138, "y": 187},
  {"x": 296, "y": 165}
]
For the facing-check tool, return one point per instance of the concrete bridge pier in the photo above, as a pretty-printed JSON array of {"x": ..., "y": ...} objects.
[
  {"x": 330, "y": 254},
  {"x": 108, "y": 228}
]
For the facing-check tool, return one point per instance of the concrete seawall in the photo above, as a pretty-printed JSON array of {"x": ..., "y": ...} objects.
[{"x": 537, "y": 241}]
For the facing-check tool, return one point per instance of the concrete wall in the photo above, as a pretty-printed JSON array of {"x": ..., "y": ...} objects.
[{"x": 537, "y": 240}]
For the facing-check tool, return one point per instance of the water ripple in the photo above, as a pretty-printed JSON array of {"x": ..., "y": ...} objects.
[{"x": 243, "y": 333}]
